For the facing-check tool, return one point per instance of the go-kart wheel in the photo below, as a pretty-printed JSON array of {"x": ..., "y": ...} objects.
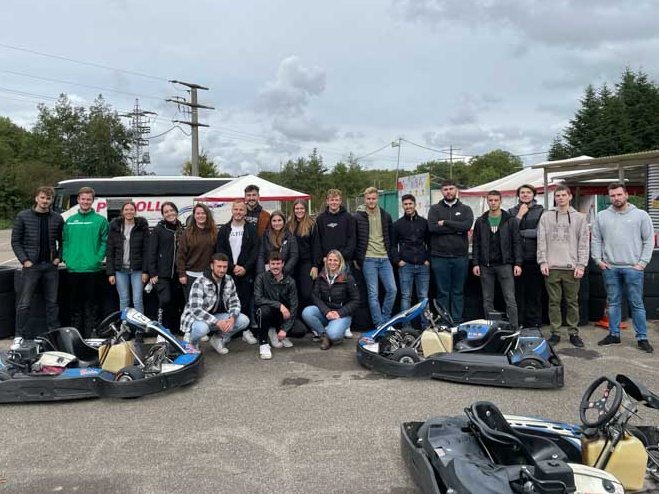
[
  {"x": 531, "y": 363},
  {"x": 127, "y": 374},
  {"x": 595, "y": 412},
  {"x": 105, "y": 329},
  {"x": 409, "y": 336},
  {"x": 406, "y": 356}
]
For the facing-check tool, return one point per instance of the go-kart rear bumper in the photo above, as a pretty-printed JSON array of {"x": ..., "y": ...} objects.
[
  {"x": 23, "y": 389},
  {"x": 471, "y": 368}
]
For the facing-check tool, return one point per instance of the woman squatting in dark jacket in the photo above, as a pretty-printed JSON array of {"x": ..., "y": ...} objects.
[
  {"x": 335, "y": 298},
  {"x": 163, "y": 247},
  {"x": 306, "y": 235},
  {"x": 278, "y": 237},
  {"x": 126, "y": 256}
]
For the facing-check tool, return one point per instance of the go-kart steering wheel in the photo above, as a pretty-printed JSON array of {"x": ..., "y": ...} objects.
[
  {"x": 595, "y": 412},
  {"x": 107, "y": 327}
]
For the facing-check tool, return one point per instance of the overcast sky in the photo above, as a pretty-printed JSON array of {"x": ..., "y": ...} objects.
[{"x": 342, "y": 75}]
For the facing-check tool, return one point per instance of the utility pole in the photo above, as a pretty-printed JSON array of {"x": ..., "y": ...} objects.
[
  {"x": 450, "y": 169},
  {"x": 395, "y": 144},
  {"x": 194, "y": 119},
  {"x": 139, "y": 129}
]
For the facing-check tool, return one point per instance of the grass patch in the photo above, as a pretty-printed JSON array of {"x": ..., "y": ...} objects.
[{"x": 5, "y": 223}]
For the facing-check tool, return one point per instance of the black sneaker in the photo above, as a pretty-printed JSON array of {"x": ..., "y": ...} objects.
[
  {"x": 645, "y": 346},
  {"x": 554, "y": 339},
  {"x": 576, "y": 340},
  {"x": 609, "y": 340}
]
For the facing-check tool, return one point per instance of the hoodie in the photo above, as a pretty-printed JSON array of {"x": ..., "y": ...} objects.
[{"x": 563, "y": 239}]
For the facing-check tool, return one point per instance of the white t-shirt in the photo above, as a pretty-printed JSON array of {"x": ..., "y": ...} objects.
[{"x": 236, "y": 240}]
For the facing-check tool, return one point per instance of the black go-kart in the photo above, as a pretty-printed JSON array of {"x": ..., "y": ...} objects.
[
  {"x": 484, "y": 351},
  {"x": 485, "y": 452},
  {"x": 61, "y": 365}
]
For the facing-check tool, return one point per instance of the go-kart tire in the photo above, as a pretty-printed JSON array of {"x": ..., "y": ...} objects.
[
  {"x": 4, "y": 376},
  {"x": 103, "y": 328},
  {"x": 406, "y": 356},
  {"x": 131, "y": 373},
  {"x": 532, "y": 363}
]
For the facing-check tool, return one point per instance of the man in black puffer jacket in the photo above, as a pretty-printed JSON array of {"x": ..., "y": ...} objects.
[
  {"x": 528, "y": 286},
  {"x": 497, "y": 253},
  {"x": 36, "y": 239},
  {"x": 336, "y": 230}
]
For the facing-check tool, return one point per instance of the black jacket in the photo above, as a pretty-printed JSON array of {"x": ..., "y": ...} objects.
[
  {"x": 511, "y": 244},
  {"x": 452, "y": 238},
  {"x": 288, "y": 252},
  {"x": 163, "y": 245},
  {"x": 26, "y": 236},
  {"x": 307, "y": 246},
  {"x": 528, "y": 229},
  {"x": 139, "y": 248},
  {"x": 341, "y": 296},
  {"x": 248, "y": 248},
  {"x": 335, "y": 231},
  {"x": 361, "y": 221},
  {"x": 410, "y": 239},
  {"x": 268, "y": 291}
]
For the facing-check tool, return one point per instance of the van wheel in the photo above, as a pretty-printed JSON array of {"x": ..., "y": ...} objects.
[{"x": 406, "y": 356}]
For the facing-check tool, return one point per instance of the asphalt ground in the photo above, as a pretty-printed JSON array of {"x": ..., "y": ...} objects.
[
  {"x": 7, "y": 257},
  {"x": 306, "y": 421}
]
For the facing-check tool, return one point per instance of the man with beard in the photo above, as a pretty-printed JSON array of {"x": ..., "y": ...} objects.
[
  {"x": 449, "y": 222},
  {"x": 238, "y": 241},
  {"x": 256, "y": 215},
  {"x": 622, "y": 243},
  {"x": 528, "y": 286}
]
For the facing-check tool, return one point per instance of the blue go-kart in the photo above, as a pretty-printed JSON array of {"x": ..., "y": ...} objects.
[
  {"x": 483, "y": 351},
  {"x": 61, "y": 365}
]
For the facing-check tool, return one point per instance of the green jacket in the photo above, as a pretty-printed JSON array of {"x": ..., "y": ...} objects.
[{"x": 85, "y": 237}]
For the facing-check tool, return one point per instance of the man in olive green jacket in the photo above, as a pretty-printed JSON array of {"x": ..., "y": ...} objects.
[{"x": 84, "y": 241}]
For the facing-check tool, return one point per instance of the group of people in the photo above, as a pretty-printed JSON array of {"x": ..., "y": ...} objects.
[{"x": 270, "y": 277}]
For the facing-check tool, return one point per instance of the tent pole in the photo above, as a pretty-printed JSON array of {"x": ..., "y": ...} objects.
[
  {"x": 545, "y": 190},
  {"x": 621, "y": 174}
]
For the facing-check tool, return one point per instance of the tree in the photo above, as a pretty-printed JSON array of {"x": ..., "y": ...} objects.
[
  {"x": 559, "y": 150},
  {"x": 207, "y": 167},
  {"x": 493, "y": 165},
  {"x": 583, "y": 130},
  {"x": 442, "y": 170}
]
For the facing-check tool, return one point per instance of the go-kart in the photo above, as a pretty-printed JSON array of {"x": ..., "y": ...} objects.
[
  {"x": 485, "y": 452},
  {"x": 489, "y": 352},
  {"x": 61, "y": 365}
]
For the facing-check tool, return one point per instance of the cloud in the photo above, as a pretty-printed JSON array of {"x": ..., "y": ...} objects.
[{"x": 575, "y": 23}]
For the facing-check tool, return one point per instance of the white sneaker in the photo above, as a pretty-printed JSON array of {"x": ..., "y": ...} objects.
[
  {"x": 315, "y": 336},
  {"x": 348, "y": 334},
  {"x": 186, "y": 337},
  {"x": 18, "y": 341},
  {"x": 217, "y": 342},
  {"x": 160, "y": 339},
  {"x": 264, "y": 352},
  {"x": 286, "y": 343},
  {"x": 204, "y": 338},
  {"x": 274, "y": 340},
  {"x": 248, "y": 337}
]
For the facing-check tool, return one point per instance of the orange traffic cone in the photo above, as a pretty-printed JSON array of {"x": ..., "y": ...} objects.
[{"x": 604, "y": 322}]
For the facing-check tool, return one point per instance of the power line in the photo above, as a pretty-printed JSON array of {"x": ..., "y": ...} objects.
[
  {"x": 373, "y": 152},
  {"x": 83, "y": 62},
  {"x": 444, "y": 151}
]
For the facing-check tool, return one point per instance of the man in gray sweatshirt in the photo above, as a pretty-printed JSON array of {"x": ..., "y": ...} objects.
[
  {"x": 563, "y": 256},
  {"x": 622, "y": 244}
]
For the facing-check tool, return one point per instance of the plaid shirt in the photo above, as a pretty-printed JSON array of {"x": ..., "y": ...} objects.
[{"x": 203, "y": 298}]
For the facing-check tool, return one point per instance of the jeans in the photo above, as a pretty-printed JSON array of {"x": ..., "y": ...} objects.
[
  {"x": 125, "y": 281},
  {"x": 317, "y": 321},
  {"x": 450, "y": 274},
  {"x": 201, "y": 328},
  {"x": 528, "y": 291},
  {"x": 43, "y": 274},
  {"x": 375, "y": 269},
  {"x": 627, "y": 281},
  {"x": 419, "y": 275},
  {"x": 503, "y": 273},
  {"x": 562, "y": 282}
]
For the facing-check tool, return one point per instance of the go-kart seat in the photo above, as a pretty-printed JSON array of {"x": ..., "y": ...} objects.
[
  {"x": 490, "y": 342},
  {"x": 69, "y": 340},
  {"x": 506, "y": 445}
]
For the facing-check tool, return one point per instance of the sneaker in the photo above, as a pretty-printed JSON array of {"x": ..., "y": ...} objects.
[
  {"x": 645, "y": 346},
  {"x": 18, "y": 341},
  {"x": 325, "y": 342},
  {"x": 186, "y": 337},
  {"x": 217, "y": 342},
  {"x": 160, "y": 339},
  {"x": 287, "y": 343},
  {"x": 554, "y": 339},
  {"x": 609, "y": 340},
  {"x": 204, "y": 338},
  {"x": 576, "y": 340},
  {"x": 274, "y": 340},
  {"x": 348, "y": 334},
  {"x": 315, "y": 336},
  {"x": 264, "y": 352},
  {"x": 248, "y": 337}
]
